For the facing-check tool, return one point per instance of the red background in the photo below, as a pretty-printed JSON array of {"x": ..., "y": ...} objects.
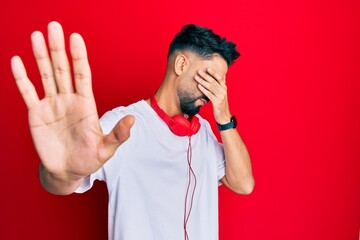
[{"x": 294, "y": 90}]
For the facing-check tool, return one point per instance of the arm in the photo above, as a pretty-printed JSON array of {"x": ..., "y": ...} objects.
[
  {"x": 238, "y": 172},
  {"x": 64, "y": 124}
]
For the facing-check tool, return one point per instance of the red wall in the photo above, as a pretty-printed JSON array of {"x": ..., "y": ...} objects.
[{"x": 295, "y": 91}]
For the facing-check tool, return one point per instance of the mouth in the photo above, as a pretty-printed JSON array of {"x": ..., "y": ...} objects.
[{"x": 203, "y": 101}]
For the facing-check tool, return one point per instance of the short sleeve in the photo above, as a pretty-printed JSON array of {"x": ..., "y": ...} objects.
[
  {"x": 220, "y": 160},
  {"x": 217, "y": 150},
  {"x": 89, "y": 181}
]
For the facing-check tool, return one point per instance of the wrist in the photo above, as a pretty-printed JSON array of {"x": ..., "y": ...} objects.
[
  {"x": 58, "y": 183},
  {"x": 224, "y": 119},
  {"x": 232, "y": 123}
]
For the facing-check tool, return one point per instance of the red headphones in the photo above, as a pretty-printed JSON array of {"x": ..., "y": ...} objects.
[{"x": 179, "y": 125}]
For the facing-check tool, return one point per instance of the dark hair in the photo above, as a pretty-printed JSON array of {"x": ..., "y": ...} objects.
[{"x": 204, "y": 42}]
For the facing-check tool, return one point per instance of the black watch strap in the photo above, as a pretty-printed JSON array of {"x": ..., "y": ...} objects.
[{"x": 231, "y": 124}]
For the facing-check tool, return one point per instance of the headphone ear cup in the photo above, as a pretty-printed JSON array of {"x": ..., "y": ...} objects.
[
  {"x": 178, "y": 124},
  {"x": 181, "y": 126},
  {"x": 195, "y": 125},
  {"x": 185, "y": 127}
]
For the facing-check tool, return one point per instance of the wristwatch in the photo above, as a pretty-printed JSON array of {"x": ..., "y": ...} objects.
[{"x": 231, "y": 124}]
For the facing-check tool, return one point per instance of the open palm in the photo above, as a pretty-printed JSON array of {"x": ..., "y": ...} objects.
[{"x": 64, "y": 124}]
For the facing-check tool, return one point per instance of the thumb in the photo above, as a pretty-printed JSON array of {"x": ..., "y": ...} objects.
[{"x": 119, "y": 134}]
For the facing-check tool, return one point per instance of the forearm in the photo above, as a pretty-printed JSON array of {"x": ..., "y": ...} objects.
[
  {"x": 238, "y": 170},
  {"x": 59, "y": 184},
  {"x": 238, "y": 173}
]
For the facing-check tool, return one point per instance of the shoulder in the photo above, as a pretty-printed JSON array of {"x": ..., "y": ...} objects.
[
  {"x": 121, "y": 111},
  {"x": 139, "y": 110}
]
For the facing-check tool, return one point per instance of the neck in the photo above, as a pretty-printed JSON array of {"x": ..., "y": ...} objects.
[{"x": 167, "y": 98}]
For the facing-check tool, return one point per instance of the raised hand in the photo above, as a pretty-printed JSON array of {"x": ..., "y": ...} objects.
[
  {"x": 64, "y": 124},
  {"x": 213, "y": 86}
]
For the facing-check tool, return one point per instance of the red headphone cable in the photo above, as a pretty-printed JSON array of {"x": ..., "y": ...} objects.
[{"x": 190, "y": 174}]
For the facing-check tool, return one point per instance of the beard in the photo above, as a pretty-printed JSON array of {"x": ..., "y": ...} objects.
[{"x": 187, "y": 103}]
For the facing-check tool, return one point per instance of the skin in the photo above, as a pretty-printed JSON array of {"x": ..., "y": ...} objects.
[
  {"x": 65, "y": 125},
  {"x": 190, "y": 73}
]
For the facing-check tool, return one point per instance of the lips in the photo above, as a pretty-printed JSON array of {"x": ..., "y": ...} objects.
[{"x": 203, "y": 101}]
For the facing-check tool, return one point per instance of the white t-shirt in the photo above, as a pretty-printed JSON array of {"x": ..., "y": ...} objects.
[{"x": 147, "y": 178}]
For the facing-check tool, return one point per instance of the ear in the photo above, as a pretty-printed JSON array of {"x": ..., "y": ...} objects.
[{"x": 180, "y": 64}]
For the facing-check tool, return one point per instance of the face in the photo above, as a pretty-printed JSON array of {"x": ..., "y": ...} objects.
[
  {"x": 188, "y": 102},
  {"x": 190, "y": 96}
]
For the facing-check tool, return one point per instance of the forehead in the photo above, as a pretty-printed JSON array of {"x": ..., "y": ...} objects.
[{"x": 216, "y": 62}]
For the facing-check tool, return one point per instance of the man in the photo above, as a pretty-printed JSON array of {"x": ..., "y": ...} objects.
[{"x": 160, "y": 160}]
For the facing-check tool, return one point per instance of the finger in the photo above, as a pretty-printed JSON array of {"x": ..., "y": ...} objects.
[
  {"x": 216, "y": 75},
  {"x": 213, "y": 86},
  {"x": 207, "y": 93},
  {"x": 23, "y": 83},
  {"x": 81, "y": 66},
  {"x": 119, "y": 134},
  {"x": 44, "y": 63},
  {"x": 59, "y": 58},
  {"x": 207, "y": 77}
]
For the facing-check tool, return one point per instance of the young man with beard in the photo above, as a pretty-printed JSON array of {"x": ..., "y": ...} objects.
[{"x": 160, "y": 160}]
